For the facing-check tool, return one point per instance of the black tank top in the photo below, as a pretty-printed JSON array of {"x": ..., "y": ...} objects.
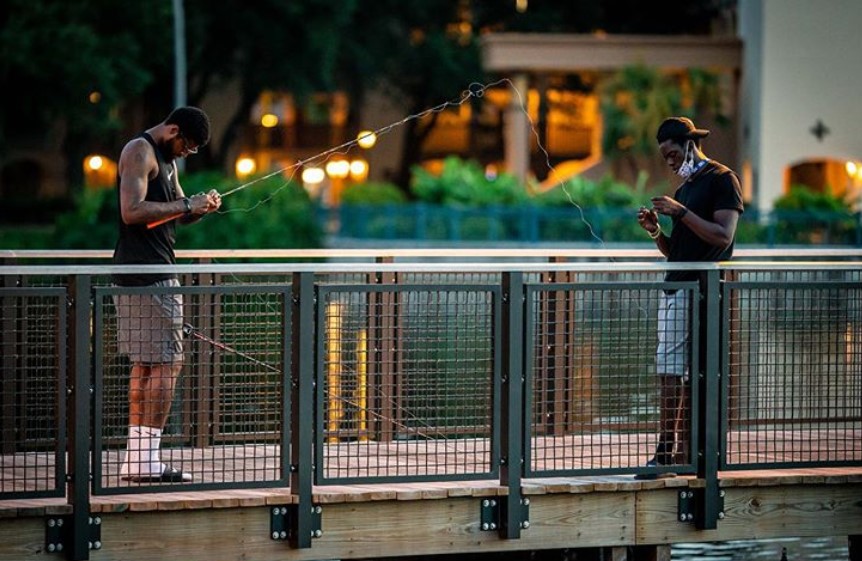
[{"x": 138, "y": 245}]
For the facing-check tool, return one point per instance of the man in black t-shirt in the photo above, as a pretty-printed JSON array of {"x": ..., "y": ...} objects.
[{"x": 705, "y": 210}]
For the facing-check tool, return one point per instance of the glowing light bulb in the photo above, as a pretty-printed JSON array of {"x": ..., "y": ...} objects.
[
  {"x": 338, "y": 168},
  {"x": 313, "y": 176},
  {"x": 358, "y": 169},
  {"x": 269, "y": 120},
  {"x": 245, "y": 166},
  {"x": 366, "y": 139},
  {"x": 95, "y": 163}
]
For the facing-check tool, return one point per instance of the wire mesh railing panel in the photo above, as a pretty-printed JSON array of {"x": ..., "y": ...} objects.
[
  {"x": 793, "y": 396},
  {"x": 219, "y": 392},
  {"x": 453, "y": 277},
  {"x": 33, "y": 374},
  {"x": 595, "y": 400},
  {"x": 407, "y": 376}
]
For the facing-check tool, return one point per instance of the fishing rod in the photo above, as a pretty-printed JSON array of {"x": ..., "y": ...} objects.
[{"x": 473, "y": 90}]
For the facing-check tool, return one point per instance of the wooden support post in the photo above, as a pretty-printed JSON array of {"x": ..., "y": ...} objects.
[{"x": 201, "y": 410}]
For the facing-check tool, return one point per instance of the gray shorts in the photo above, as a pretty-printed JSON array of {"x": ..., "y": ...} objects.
[
  {"x": 672, "y": 357},
  {"x": 150, "y": 326}
]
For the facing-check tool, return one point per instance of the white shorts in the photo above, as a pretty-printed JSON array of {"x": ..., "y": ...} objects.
[{"x": 673, "y": 355}]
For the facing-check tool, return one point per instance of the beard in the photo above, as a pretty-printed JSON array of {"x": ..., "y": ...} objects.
[{"x": 167, "y": 151}]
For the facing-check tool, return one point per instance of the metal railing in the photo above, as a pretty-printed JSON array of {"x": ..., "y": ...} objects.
[
  {"x": 316, "y": 373},
  {"x": 533, "y": 224}
]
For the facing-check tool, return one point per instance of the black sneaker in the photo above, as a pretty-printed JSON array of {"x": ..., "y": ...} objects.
[
  {"x": 650, "y": 476},
  {"x": 169, "y": 475}
]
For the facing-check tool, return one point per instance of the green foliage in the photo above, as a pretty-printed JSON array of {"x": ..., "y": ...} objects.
[
  {"x": 805, "y": 216},
  {"x": 607, "y": 192},
  {"x": 267, "y": 214},
  {"x": 638, "y": 98},
  {"x": 634, "y": 102},
  {"x": 57, "y": 53},
  {"x": 464, "y": 183},
  {"x": 373, "y": 193},
  {"x": 802, "y": 197},
  {"x": 91, "y": 224}
]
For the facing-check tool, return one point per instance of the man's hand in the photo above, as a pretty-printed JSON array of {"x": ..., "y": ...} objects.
[
  {"x": 205, "y": 203},
  {"x": 668, "y": 206},
  {"x": 648, "y": 220}
]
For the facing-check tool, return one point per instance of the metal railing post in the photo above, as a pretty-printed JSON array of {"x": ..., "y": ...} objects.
[
  {"x": 10, "y": 351},
  {"x": 79, "y": 418},
  {"x": 302, "y": 420},
  {"x": 513, "y": 430},
  {"x": 709, "y": 508}
]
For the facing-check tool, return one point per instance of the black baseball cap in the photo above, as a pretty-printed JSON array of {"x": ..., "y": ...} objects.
[{"x": 679, "y": 127}]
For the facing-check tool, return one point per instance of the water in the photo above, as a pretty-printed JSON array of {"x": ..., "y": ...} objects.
[{"x": 832, "y": 548}]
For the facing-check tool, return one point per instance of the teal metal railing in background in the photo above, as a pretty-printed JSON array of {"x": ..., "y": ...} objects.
[{"x": 534, "y": 224}]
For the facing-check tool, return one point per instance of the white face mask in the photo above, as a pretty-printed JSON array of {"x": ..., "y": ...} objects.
[{"x": 687, "y": 168}]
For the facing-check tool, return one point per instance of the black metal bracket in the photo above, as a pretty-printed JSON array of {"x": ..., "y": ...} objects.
[
  {"x": 281, "y": 521},
  {"x": 690, "y": 503},
  {"x": 59, "y": 533},
  {"x": 493, "y": 513}
]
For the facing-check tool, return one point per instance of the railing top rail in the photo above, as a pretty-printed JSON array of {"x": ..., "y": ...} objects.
[
  {"x": 434, "y": 267},
  {"x": 455, "y": 253}
]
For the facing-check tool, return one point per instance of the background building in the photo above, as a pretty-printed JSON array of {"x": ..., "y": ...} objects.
[{"x": 801, "y": 114}]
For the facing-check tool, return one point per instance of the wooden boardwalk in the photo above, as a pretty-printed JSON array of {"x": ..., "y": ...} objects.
[
  {"x": 443, "y": 459},
  {"x": 443, "y": 517}
]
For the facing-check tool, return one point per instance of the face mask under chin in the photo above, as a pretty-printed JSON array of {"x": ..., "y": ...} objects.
[{"x": 687, "y": 168}]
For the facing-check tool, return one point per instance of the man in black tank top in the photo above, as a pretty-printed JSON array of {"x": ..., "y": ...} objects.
[
  {"x": 705, "y": 210},
  {"x": 149, "y": 323}
]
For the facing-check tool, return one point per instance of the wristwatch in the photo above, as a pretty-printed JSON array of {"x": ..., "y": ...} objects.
[{"x": 188, "y": 205}]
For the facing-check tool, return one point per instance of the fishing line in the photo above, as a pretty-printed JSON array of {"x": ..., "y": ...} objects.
[
  {"x": 191, "y": 331},
  {"x": 474, "y": 90}
]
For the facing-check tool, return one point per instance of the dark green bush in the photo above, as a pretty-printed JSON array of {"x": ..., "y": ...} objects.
[
  {"x": 805, "y": 216},
  {"x": 268, "y": 214},
  {"x": 464, "y": 183},
  {"x": 373, "y": 193}
]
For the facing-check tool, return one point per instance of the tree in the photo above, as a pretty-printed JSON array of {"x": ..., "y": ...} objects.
[
  {"x": 73, "y": 62},
  {"x": 269, "y": 44},
  {"x": 636, "y": 99}
]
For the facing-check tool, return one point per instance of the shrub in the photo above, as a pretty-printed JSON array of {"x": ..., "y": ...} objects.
[
  {"x": 464, "y": 183},
  {"x": 270, "y": 213},
  {"x": 373, "y": 193},
  {"x": 807, "y": 216}
]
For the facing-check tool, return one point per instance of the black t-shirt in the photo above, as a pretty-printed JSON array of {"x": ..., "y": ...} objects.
[
  {"x": 139, "y": 245},
  {"x": 714, "y": 188}
]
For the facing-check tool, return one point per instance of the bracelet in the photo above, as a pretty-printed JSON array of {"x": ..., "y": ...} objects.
[
  {"x": 656, "y": 234},
  {"x": 681, "y": 214},
  {"x": 188, "y": 204}
]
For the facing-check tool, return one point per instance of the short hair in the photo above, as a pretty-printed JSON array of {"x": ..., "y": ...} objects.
[{"x": 193, "y": 123}]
